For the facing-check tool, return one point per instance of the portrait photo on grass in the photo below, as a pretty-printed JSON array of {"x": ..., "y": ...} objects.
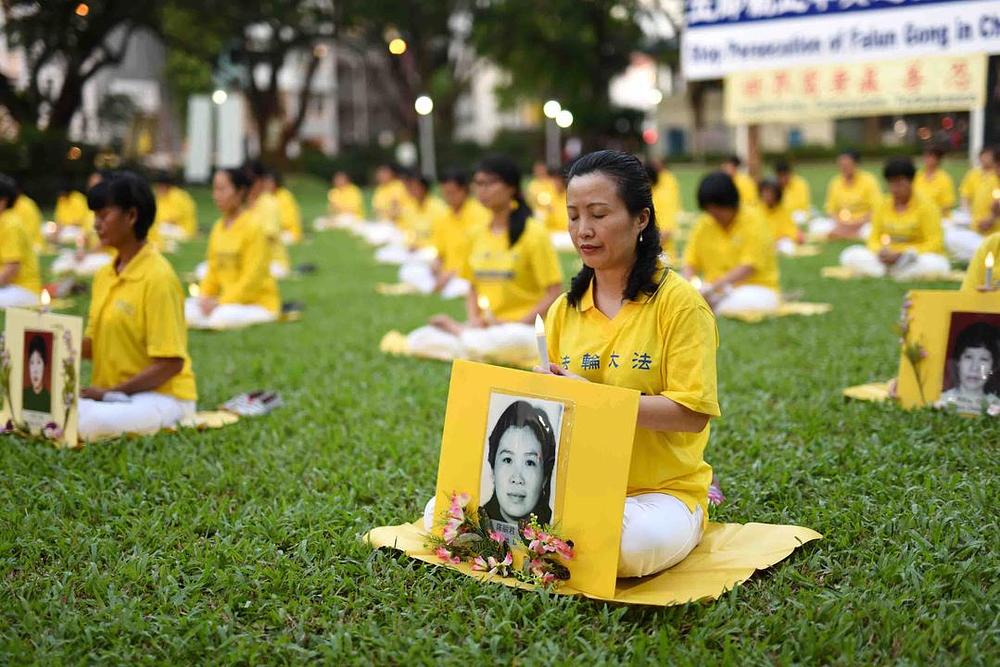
[
  {"x": 520, "y": 454},
  {"x": 971, "y": 377}
]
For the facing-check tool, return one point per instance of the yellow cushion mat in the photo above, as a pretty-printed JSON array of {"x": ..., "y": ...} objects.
[
  {"x": 845, "y": 273},
  {"x": 787, "y": 309},
  {"x": 728, "y": 555},
  {"x": 396, "y": 289},
  {"x": 873, "y": 391}
]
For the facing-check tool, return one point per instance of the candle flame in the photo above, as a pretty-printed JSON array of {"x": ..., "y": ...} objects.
[
  {"x": 989, "y": 260},
  {"x": 194, "y": 290},
  {"x": 996, "y": 193},
  {"x": 696, "y": 282},
  {"x": 484, "y": 303},
  {"x": 539, "y": 326},
  {"x": 544, "y": 198},
  {"x": 845, "y": 214},
  {"x": 46, "y": 298},
  {"x": 886, "y": 239}
]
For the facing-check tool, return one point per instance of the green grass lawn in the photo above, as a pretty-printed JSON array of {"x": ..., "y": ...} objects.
[{"x": 242, "y": 545}]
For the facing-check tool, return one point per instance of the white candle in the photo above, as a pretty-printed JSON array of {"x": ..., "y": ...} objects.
[
  {"x": 45, "y": 300},
  {"x": 484, "y": 308},
  {"x": 886, "y": 240},
  {"x": 989, "y": 270},
  {"x": 543, "y": 348},
  {"x": 194, "y": 290}
]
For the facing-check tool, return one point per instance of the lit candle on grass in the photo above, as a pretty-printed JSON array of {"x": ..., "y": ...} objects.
[
  {"x": 484, "y": 309},
  {"x": 46, "y": 300},
  {"x": 885, "y": 240},
  {"x": 543, "y": 348},
  {"x": 194, "y": 290}
]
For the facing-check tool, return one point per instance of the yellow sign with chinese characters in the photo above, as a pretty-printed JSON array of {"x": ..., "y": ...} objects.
[{"x": 912, "y": 85}]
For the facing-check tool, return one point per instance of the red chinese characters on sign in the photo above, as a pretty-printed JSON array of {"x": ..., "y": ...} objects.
[
  {"x": 869, "y": 80},
  {"x": 782, "y": 83},
  {"x": 753, "y": 87},
  {"x": 913, "y": 79},
  {"x": 960, "y": 76},
  {"x": 840, "y": 79},
  {"x": 810, "y": 82}
]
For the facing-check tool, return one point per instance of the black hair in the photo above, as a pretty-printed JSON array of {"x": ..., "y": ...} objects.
[
  {"x": 995, "y": 149},
  {"x": 899, "y": 166},
  {"x": 718, "y": 189},
  {"x": 420, "y": 178},
  {"x": 238, "y": 177},
  {"x": 126, "y": 190},
  {"x": 936, "y": 150},
  {"x": 521, "y": 414},
  {"x": 773, "y": 186},
  {"x": 162, "y": 177},
  {"x": 782, "y": 167},
  {"x": 652, "y": 173},
  {"x": 456, "y": 176},
  {"x": 508, "y": 172},
  {"x": 635, "y": 190},
  {"x": 66, "y": 186},
  {"x": 8, "y": 189},
  {"x": 982, "y": 335},
  {"x": 37, "y": 344},
  {"x": 733, "y": 160},
  {"x": 256, "y": 170},
  {"x": 854, "y": 155}
]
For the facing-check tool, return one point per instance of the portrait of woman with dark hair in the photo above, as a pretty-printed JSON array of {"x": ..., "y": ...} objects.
[
  {"x": 972, "y": 377},
  {"x": 521, "y": 455},
  {"x": 36, "y": 394}
]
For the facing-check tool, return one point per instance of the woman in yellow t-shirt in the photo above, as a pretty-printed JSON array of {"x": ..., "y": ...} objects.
[
  {"x": 237, "y": 289},
  {"x": 344, "y": 199},
  {"x": 795, "y": 193},
  {"x": 778, "y": 217},
  {"x": 731, "y": 251},
  {"x": 31, "y": 218},
  {"x": 629, "y": 321},
  {"x": 984, "y": 211},
  {"x": 142, "y": 379},
  {"x": 19, "y": 278},
  {"x": 851, "y": 198},
  {"x": 975, "y": 276},
  {"x": 513, "y": 271}
]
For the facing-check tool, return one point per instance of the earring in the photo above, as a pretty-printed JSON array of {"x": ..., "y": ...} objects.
[{"x": 640, "y": 237}]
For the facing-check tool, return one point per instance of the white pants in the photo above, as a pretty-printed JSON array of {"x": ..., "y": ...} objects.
[
  {"x": 15, "y": 296},
  {"x": 172, "y": 232},
  {"x": 66, "y": 263},
  {"x": 381, "y": 233},
  {"x": 226, "y": 316},
  {"x": 511, "y": 340},
  {"x": 279, "y": 271},
  {"x": 860, "y": 259},
  {"x": 961, "y": 243},
  {"x": 785, "y": 246},
  {"x": 147, "y": 412},
  {"x": 658, "y": 531},
  {"x": 748, "y": 297},
  {"x": 421, "y": 276},
  {"x": 823, "y": 227}
]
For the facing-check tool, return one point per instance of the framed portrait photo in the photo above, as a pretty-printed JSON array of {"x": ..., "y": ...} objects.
[
  {"x": 38, "y": 375},
  {"x": 951, "y": 353},
  {"x": 523, "y": 444}
]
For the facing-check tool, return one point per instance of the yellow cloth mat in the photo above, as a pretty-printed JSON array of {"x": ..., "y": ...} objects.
[
  {"x": 396, "y": 289},
  {"x": 210, "y": 419},
  {"x": 396, "y": 344},
  {"x": 873, "y": 391},
  {"x": 728, "y": 555},
  {"x": 845, "y": 273},
  {"x": 786, "y": 309},
  {"x": 806, "y": 250}
]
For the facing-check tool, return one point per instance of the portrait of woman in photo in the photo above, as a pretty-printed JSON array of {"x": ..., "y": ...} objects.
[
  {"x": 36, "y": 396},
  {"x": 521, "y": 455},
  {"x": 973, "y": 371}
]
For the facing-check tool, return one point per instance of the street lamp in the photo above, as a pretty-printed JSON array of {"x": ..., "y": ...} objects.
[
  {"x": 551, "y": 109},
  {"x": 424, "y": 105},
  {"x": 397, "y": 46},
  {"x": 564, "y": 119},
  {"x": 220, "y": 96}
]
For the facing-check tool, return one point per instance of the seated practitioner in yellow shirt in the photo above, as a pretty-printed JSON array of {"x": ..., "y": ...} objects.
[
  {"x": 136, "y": 337},
  {"x": 795, "y": 192},
  {"x": 774, "y": 211},
  {"x": 732, "y": 252},
  {"x": 19, "y": 278},
  {"x": 263, "y": 204},
  {"x": 409, "y": 244},
  {"x": 30, "y": 216},
  {"x": 345, "y": 198},
  {"x": 746, "y": 185},
  {"x": 667, "y": 204},
  {"x": 513, "y": 271},
  {"x": 289, "y": 213},
  {"x": 557, "y": 219},
  {"x": 540, "y": 191},
  {"x": 984, "y": 213},
  {"x": 905, "y": 241},
  {"x": 851, "y": 198},
  {"x": 389, "y": 198},
  {"x": 237, "y": 289},
  {"x": 975, "y": 275},
  {"x": 89, "y": 255},
  {"x": 933, "y": 183},
  {"x": 972, "y": 178},
  {"x": 72, "y": 217},
  {"x": 176, "y": 212}
]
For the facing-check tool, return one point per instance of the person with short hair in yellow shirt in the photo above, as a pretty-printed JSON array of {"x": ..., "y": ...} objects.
[
  {"x": 71, "y": 215},
  {"x": 417, "y": 220},
  {"x": 513, "y": 271},
  {"x": 667, "y": 202},
  {"x": 30, "y": 216},
  {"x": 778, "y": 218},
  {"x": 745, "y": 184},
  {"x": 289, "y": 213},
  {"x": 975, "y": 275},
  {"x": 933, "y": 183},
  {"x": 629, "y": 321},
  {"x": 540, "y": 192},
  {"x": 19, "y": 278},
  {"x": 176, "y": 212},
  {"x": 238, "y": 289},
  {"x": 795, "y": 193},
  {"x": 731, "y": 251},
  {"x": 262, "y": 203},
  {"x": 345, "y": 198},
  {"x": 142, "y": 379},
  {"x": 556, "y": 219},
  {"x": 905, "y": 241},
  {"x": 389, "y": 198},
  {"x": 851, "y": 198},
  {"x": 984, "y": 213},
  {"x": 969, "y": 183}
]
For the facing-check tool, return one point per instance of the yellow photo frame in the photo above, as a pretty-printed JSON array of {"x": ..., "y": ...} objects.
[
  {"x": 945, "y": 332},
  {"x": 591, "y": 448},
  {"x": 40, "y": 375}
]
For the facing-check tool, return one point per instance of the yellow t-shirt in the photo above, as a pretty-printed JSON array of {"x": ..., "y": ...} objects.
[
  {"x": 540, "y": 195},
  {"x": 917, "y": 228},
  {"x": 417, "y": 220},
  {"x": 667, "y": 204},
  {"x": 713, "y": 251},
  {"x": 975, "y": 276},
  {"x": 177, "y": 208},
  {"x": 982, "y": 201},
  {"x": 747, "y": 187},
  {"x": 938, "y": 188},
  {"x": 452, "y": 233},
  {"x": 289, "y": 213},
  {"x": 239, "y": 264},
  {"x": 268, "y": 213},
  {"x": 857, "y": 198},
  {"x": 970, "y": 182},
  {"x": 513, "y": 278},
  {"x": 796, "y": 196},
  {"x": 346, "y": 199},
  {"x": 16, "y": 246},
  {"x": 72, "y": 210},
  {"x": 557, "y": 219},
  {"x": 389, "y": 200},
  {"x": 779, "y": 221},
  {"x": 662, "y": 345},
  {"x": 31, "y": 218},
  {"x": 136, "y": 316}
]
